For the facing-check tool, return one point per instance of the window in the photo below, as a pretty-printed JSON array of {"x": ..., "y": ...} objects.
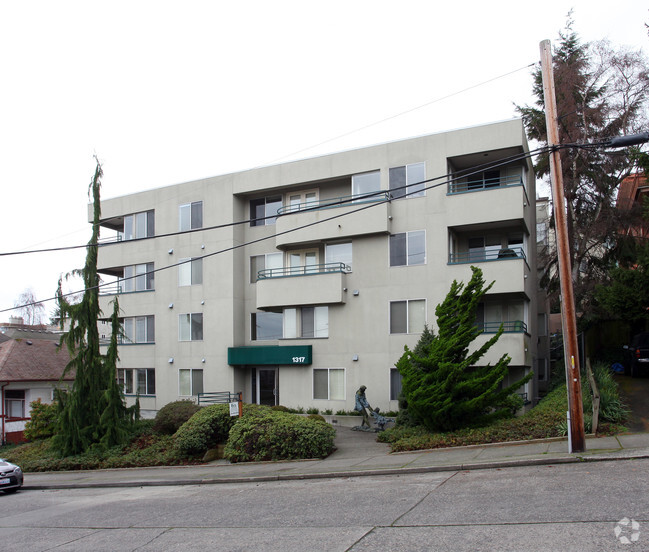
[
  {"x": 302, "y": 262},
  {"x": 139, "y": 329},
  {"x": 139, "y": 381},
  {"x": 191, "y": 216},
  {"x": 339, "y": 253},
  {"x": 270, "y": 261},
  {"x": 302, "y": 200},
  {"x": 395, "y": 384},
  {"x": 138, "y": 277},
  {"x": 408, "y": 248},
  {"x": 366, "y": 184},
  {"x": 190, "y": 327},
  {"x": 306, "y": 322},
  {"x": 407, "y": 316},
  {"x": 408, "y": 181},
  {"x": 190, "y": 382},
  {"x": 263, "y": 210},
  {"x": 139, "y": 225},
  {"x": 265, "y": 326},
  {"x": 15, "y": 403},
  {"x": 190, "y": 272},
  {"x": 329, "y": 384}
]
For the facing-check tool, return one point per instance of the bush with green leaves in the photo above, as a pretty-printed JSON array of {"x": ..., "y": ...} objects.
[
  {"x": 267, "y": 435},
  {"x": 208, "y": 427},
  {"x": 174, "y": 414},
  {"x": 43, "y": 420},
  {"x": 317, "y": 418}
]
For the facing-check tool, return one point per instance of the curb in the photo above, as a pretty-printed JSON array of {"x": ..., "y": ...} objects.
[{"x": 337, "y": 475}]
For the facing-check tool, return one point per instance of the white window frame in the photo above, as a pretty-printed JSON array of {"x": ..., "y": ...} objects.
[
  {"x": 343, "y": 393},
  {"x": 137, "y": 225},
  {"x": 409, "y": 238},
  {"x": 192, "y": 392},
  {"x": 292, "y": 323},
  {"x": 347, "y": 258},
  {"x": 132, "y": 375},
  {"x": 358, "y": 184},
  {"x": 131, "y": 325},
  {"x": 189, "y": 270},
  {"x": 185, "y": 326},
  {"x": 412, "y": 181},
  {"x": 185, "y": 219},
  {"x": 409, "y": 330}
]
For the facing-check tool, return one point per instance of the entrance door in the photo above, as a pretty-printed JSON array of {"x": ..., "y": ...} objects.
[{"x": 267, "y": 389}]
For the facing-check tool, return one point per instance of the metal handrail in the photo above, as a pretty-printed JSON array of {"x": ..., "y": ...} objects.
[
  {"x": 484, "y": 184},
  {"x": 304, "y": 270},
  {"x": 315, "y": 205},
  {"x": 217, "y": 397},
  {"x": 509, "y": 326},
  {"x": 504, "y": 254}
]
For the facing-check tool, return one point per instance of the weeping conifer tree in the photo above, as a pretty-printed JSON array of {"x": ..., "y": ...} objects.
[
  {"x": 93, "y": 410},
  {"x": 442, "y": 383}
]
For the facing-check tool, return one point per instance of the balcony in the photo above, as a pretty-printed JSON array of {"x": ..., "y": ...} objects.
[
  {"x": 314, "y": 222},
  {"x": 485, "y": 182},
  {"x": 504, "y": 254},
  {"x": 304, "y": 285},
  {"x": 514, "y": 344},
  {"x": 509, "y": 326}
]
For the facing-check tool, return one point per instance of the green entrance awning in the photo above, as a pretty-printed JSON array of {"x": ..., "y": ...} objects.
[{"x": 270, "y": 354}]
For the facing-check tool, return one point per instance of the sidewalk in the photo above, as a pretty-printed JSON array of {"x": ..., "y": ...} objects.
[{"x": 358, "y": 454}]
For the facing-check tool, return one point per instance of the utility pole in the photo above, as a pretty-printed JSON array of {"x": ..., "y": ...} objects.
[{"x": 568, "y": 318}]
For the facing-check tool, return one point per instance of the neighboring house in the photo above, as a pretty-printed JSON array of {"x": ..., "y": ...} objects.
[
  {"x": 631, "y": 195},
  {"x": 298, "y": 283},
  {"x": 29, "y": 370}
]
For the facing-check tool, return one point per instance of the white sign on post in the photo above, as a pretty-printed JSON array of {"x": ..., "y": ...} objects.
[{"x": 234, "y": 409}]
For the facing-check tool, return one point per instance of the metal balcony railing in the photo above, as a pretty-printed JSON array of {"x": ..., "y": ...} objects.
[
  {"x": 458, "y": 187},
  {"x": 112, "y": 289},
  {"x": 305, "y": 270},
  {"x": 509, "y": 326},
  {"x": 476, "y": 256},
  {"x": 373, "y": 197}
]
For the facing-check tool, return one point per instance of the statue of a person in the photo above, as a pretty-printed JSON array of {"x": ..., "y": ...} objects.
[{"x": 362, "y": 406}]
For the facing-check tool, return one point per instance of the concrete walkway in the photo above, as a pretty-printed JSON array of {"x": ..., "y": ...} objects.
[{"x": 357, "y": 454}]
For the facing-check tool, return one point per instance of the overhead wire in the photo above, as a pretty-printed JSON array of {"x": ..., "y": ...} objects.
[{"x": 449, "y": 178}]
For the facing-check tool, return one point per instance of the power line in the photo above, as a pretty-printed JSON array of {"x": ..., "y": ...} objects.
[{"x": 448, "y": 179}]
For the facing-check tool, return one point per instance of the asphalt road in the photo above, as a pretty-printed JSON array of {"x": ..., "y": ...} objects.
[{"x": 560, "y": 507}]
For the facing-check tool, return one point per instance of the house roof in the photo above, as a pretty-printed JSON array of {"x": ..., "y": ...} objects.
[{"x": 38, "y": 360}]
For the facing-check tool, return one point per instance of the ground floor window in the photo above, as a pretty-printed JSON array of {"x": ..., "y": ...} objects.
[
  {"x": 190, "y": 382},
  {"x": 15, "y": 403},
  {"x": 395, "y": 384},
  {"x": 329, "y": 383},
  {"x": 137, "y": 381}
]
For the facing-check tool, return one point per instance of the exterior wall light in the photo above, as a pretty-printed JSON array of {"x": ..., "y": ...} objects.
[
  {"x": 171, "y": 360},
  {"x": 171, "y": 251},
  {"x": 355, "y": 292},
  {"x": 355, "y": 358},
  {"x": 171, "y": 305}
]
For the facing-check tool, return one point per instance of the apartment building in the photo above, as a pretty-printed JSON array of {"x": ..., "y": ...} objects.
[{"x": 297, "y": 283}]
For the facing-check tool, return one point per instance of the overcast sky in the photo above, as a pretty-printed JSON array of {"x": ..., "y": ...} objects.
[{"x": 167, "y": 92}]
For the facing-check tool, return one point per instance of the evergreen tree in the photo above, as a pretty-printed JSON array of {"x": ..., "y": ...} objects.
[
  {"x": 93, "y": 410},
  {"x": 601, "y": 92},
  {"x": 443, "y": 384}
]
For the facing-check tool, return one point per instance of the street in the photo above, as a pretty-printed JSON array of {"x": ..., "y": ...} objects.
[{"x": 562, "y": 507}]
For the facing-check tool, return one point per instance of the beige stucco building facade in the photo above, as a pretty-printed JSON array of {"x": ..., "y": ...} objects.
[{"x": 297, "y": 283}]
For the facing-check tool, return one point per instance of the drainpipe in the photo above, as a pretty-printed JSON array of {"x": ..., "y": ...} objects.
[{"x": 2, "y": 398}]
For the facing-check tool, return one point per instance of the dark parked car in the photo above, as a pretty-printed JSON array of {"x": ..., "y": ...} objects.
[
  {"x": 638, "y": 354},
  {"x": 11, "y": 477}
]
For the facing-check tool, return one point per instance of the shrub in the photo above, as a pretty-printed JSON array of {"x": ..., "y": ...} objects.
[
  {"x": 43, "y": 420},
  {"x": 317, "y": 418},
  {"x": 174, "y": 414},
  {"x": 208, "y": 427},
  {"x": 268, "y": 435},
  {"x": 312, "y": 411},
  {"x": 328, "y": 411},
  {"x": 280, "y": 408}
]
